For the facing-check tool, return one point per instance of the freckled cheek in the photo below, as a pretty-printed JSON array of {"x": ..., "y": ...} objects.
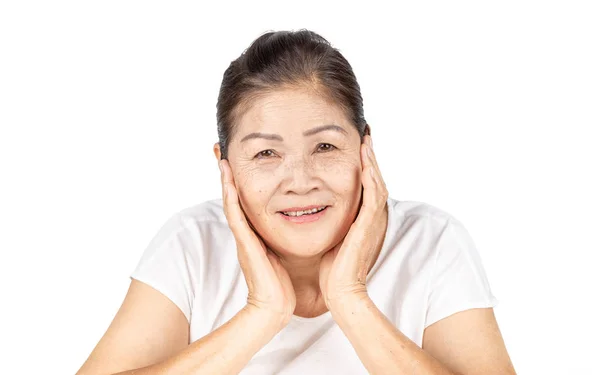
[
  {"x": 346, "y": 172},
  {"x": 343, "y": 178},
  {"x": 255, "y": 189}
]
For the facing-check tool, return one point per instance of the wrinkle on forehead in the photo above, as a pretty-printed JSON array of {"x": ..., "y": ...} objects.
[{"x": 282, "y": 108}]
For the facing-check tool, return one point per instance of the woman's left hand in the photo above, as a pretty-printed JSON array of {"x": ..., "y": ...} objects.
[{"x": 343, "y": 270}]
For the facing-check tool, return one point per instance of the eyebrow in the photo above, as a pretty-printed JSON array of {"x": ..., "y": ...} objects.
[{"x": 313, "y": 131}]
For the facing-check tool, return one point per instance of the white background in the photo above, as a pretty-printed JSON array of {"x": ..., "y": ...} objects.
[{"x": 487, "y": 110}]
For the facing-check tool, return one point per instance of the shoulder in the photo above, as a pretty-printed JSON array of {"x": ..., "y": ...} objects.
[
  {"x": 409, "y": 213},
  {"x": 192, "y": 227},
  {"x": 204, "y": 216},
  {"x": 208, "y": 212},
  {"x": 425, "y": 229}
]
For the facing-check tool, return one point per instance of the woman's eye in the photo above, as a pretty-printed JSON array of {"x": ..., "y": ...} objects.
[
  {"x": 325, "y": 147},
  {"x": 265, "y": 154}
]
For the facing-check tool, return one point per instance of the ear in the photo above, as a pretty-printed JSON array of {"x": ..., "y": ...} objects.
[{"x": 217, "y": 151}]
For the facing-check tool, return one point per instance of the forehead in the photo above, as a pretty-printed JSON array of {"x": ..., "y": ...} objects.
[{"x": 290, "y": 110}]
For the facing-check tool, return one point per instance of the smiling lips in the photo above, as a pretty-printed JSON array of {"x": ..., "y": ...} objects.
[
  {"x": 299, "y": 211},
  {"x": 303, "y": 214}
]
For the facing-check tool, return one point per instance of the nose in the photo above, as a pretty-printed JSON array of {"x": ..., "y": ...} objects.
[{"x": 300, "y": 177}]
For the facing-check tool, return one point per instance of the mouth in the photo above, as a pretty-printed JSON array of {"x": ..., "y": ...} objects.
[
  {"x": 301, "y": 211},
  {"x": 303, "y": 214}
]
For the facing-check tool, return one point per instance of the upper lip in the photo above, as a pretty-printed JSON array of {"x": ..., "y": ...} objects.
[{"x": 305, "y": 208}]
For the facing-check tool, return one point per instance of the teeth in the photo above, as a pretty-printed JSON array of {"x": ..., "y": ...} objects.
[{"x": 307, "y": 212}]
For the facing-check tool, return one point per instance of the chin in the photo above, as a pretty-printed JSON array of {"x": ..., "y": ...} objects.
[
  {"x": 308, "y": 250},
  {"x": 301, "y": 244}
]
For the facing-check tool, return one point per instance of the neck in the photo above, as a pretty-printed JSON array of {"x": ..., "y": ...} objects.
[{"x": 304, "y": 274}]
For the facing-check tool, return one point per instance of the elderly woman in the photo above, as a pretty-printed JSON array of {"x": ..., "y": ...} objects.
[{"x": 305, "y": 266}]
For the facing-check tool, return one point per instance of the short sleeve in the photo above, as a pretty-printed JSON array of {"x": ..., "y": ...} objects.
[
  {"x": 169, "y": 264},
  {"x": 459, "y": 281}
]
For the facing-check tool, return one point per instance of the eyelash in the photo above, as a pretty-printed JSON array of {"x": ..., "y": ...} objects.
[{"x": 261, "y": 155}]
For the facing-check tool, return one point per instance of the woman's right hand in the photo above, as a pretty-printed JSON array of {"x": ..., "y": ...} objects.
[{"x": 269, "y": 286}]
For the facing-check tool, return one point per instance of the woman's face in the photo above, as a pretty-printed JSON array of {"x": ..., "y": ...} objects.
[{"x": 291, "y": 151}]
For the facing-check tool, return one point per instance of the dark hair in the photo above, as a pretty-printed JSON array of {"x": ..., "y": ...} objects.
[{"x": 283, "y": 59}]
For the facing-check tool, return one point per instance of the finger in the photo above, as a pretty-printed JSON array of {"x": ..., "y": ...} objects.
[
  {"x": 369, "y": 179},
  {"x": 368, "y": 210},
  {"x": 372, "y": 158},
  {"x": 231, "y": 205},
  {"x": 377, "y": 176}
]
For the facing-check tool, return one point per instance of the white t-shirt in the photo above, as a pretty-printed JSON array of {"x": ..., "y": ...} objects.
[{"x": 428, "y": 269}]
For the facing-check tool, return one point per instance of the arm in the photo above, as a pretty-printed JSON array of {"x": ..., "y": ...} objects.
[
  {"x": 465, "y": 343},
  {"x": 149, "y": 335},
  {"x": 469, "y": 342}
]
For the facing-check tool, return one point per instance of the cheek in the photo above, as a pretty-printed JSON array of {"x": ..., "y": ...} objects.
[
  {"x": 254, "y": 188},
  {"x": 342, "y": 175}
]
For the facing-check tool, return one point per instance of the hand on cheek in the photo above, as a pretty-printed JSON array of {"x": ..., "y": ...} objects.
[{"x": 343, "y": 270}]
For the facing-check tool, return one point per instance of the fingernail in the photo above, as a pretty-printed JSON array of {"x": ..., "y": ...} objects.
[
  {"x": 369, "y": 153},
  {"x": 370, "y": 141},
  {"x": 220, "y": 166}
]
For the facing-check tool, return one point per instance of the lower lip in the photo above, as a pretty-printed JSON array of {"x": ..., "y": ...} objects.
[{"x": 304, "y": 218}]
